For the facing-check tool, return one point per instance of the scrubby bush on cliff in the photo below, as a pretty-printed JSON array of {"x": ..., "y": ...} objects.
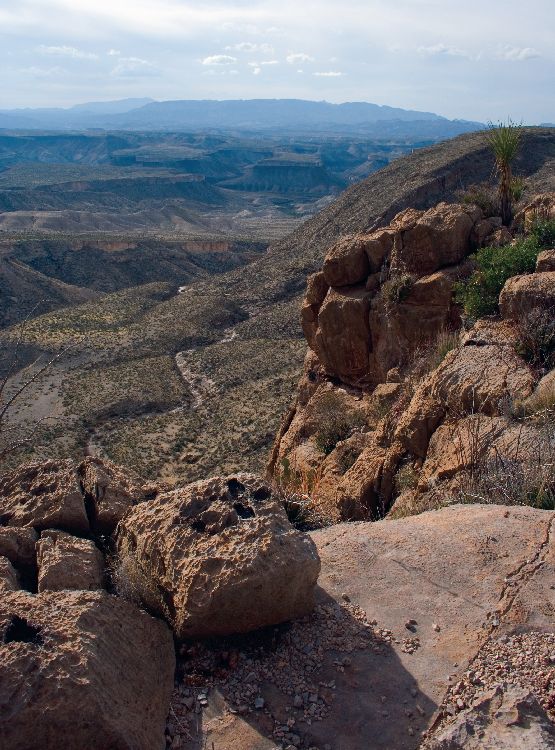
[
  {"x": 397, "y": 288},
  {"x": 536, "y": 338},
  {"x": 480, "y": 294},
  {"x": 335, "y": 423}
]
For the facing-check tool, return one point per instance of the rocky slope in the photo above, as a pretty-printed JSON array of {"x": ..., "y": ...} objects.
[
  {"x": 238, "y": 334},
  {"x": 457, "y": 622},
  {"x": 400, "y": 406}
]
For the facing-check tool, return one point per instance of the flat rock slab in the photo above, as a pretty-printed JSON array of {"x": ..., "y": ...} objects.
[{"x": 463, "y": 575}]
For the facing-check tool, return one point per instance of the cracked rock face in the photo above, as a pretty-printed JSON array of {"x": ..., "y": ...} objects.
[
  {"x": 82, "y": 670},
  {"x": 67, "y": 562},
  {"x": 505, "y": 718},
  {"x": 219, "y": 557}
]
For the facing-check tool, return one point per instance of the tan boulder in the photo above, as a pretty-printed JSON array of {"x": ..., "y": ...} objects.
[
  {"x": 110, "y": 492},
  {"x": 419, "y": 421},
  {"x": 346, "y": 263},
  {"x": 67, "y": 562},
  {"x": 43, "y": 495},
  {"x": 378, "y": 246},
  {"x": 523, "y": 293},
  {"x": 546, "y": 261},
  {"x": 219, "y": 557},
  {"x": 440, "y": 237},
  {"x": 316, "y": 289},
  {"x": 18, "y": 545},
  {"x": 342, "y": 341},
  {"x": 82, "y": 670},
  {"x": 8, "y": 576},
  {"x": 499, "y": 238}
]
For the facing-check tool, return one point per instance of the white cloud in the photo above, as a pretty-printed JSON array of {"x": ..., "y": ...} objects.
[
  {"x": 257, "y": 71},
  {"x": 328, "y": 74},
  {"x": 517, "y": 53},
  {"x": 114, "y": 52},
  {"x": 38, "y": 72},
  {"x": 443, "y": 49},
  {"x": 134, "y": 67},
  {"x": 219, "y": 60},
  {"x": 65, "y": 51},
  {"x": 298, "y": 57},
  {"x": 265, "y": 49}
]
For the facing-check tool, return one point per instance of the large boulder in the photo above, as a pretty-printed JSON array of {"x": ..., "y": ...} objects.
[
  {"x": 67, "y": 562},
  {"x": 219, "y": 557},
  {"x": 439, "y": 237},
  {"x": 82, "y": 670},
  {"x": 347, "y": 263},
  {"x": 43, "y": 495},
  {"x": 524, "y": 293}
]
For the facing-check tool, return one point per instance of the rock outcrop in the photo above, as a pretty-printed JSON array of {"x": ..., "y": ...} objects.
[
  {"x": 219, "y": 557},
  {"x": 415, "y": 404},
  {"x": 82, "y": 670},
  {"x": 504, "y": 718}
]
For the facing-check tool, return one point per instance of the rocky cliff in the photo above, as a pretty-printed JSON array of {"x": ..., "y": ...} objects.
[{"x": 405, "y": 405}]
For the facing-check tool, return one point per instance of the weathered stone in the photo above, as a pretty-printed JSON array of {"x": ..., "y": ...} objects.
[
  {"x": 440, "y": 237},
  {"x": 504, "y": 718},
  {"x": 8, "y": 576},
  {"x": 546, "y": 261},
  {"x": 478, "y": 441},
  {"x": 524, "y": 293},
  {"x": 220, "y": 557},
  {"x": 316, "y": 288},
  {"x": 18, "y": 545},
  {"x": 67, "y": 562},
  {"x": 43, "y": 495},
  {"x": 499, "y": 238},
  {"x": 483, "y": 229},
  {"x": 82, "y": 670},
  {"x": 110, "y": 492},
  {"x": 347, "y": 263},
  {"x": 344, "y": 354},
  {"x": 378, "y": 247},
  {"x": 541, "y": 208}
]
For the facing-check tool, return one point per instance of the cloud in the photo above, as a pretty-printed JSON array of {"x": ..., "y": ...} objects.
[
  {"x": 443, "y": 49},
  {"x": 257, "y": 71},
  {"x": 65, "y": 51},
  {"x": 114, "y": 53},
  {"x": 298, "y": 57},
  {"x": 134, "y": 67},
  {"x": 38, "y": 72},
  {"x": 328, "y": 74},
  {"x": 219, "y": 60},
  {"x": 517, "y": 53},
  {"x": 266, "y": 49}
]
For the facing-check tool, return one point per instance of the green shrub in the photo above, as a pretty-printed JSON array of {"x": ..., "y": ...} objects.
[
  {"x": 543, "y": 230},
  {"x": 480, "y": 294}
]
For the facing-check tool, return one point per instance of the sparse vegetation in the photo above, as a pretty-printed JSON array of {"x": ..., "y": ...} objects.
[
  {"x": 504, "y": 140},
  {"x": 483, "y": 196},
  {"x": 335, "y": 422},
  {"x": 397, "y": 288},
  {"x": 536, "y": 337}
]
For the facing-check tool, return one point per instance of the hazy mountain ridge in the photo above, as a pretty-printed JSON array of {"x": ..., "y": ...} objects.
[{"x": 263, "y": 114}]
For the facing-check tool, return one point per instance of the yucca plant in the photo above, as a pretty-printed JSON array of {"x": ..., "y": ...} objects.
[{"x": 504, "y": 140}]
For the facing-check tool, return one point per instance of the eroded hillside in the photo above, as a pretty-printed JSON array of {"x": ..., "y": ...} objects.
[{"x": 232, "y": 346}]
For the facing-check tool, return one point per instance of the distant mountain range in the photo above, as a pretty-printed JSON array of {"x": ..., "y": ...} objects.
[{"x": 248, "y": 114}]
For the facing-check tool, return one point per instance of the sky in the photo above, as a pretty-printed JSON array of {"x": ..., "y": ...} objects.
[{"x": 477, "y": 60}]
